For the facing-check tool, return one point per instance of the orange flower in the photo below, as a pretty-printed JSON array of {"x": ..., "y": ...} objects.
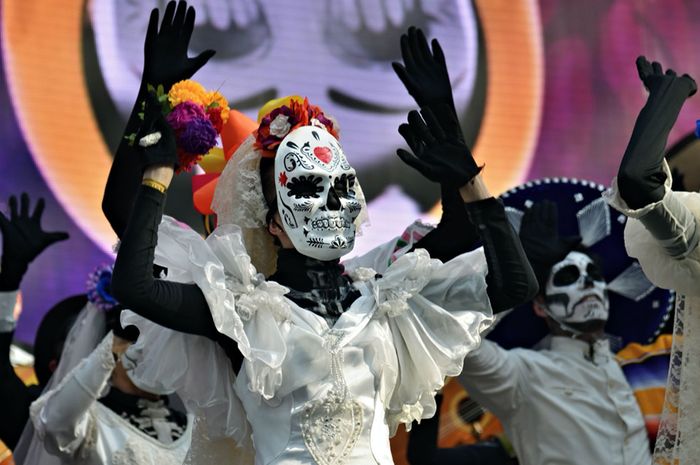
[{"x": 188, "y": 91}]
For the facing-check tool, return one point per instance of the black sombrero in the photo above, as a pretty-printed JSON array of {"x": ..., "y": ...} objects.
[{"x": 638, "y": 309}]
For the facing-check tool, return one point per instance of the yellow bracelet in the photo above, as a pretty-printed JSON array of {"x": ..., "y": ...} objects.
[{"x": 153, "y": 184}]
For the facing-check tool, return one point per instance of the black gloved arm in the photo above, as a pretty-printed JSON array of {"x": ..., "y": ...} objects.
[
  {"x": 442, "y": 157},
  {"x": 641, "y": 176},
  {"x": 455, "y": 234},
  {"x": 124, "y": 176},
  {"x": 642, "y": 181},
  {"x": 510, "y": 278},
  {"x": 177, "y": 306},
  {"x": 165, "y": 63}
]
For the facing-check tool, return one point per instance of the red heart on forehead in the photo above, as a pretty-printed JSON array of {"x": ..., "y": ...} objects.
[{"x": 324, "y": 154}]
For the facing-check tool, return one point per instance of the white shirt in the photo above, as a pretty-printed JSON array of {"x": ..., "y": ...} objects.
[{"x": 558, "y": 406}]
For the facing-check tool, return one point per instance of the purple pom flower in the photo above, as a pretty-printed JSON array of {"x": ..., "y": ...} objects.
[
  {"x": 183, "y": 114},
  {"x": 197, "y": 137},
  {"x": 99, "y": 288}
]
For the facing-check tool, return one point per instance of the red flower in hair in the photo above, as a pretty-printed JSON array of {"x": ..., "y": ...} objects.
[{"x": 282, "y": 120}]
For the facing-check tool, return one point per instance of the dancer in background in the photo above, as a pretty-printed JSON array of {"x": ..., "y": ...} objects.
[
  {"x": 662, "y": 233},
  {"x": 568, "y": 402},
  {"x": 23, "y": 239}
]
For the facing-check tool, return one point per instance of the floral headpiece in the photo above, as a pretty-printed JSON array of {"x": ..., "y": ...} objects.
[
  {"x": 288, "y": 113},
  {"x": 99, "y": 288},
  {"x": 196, "y": 116}
]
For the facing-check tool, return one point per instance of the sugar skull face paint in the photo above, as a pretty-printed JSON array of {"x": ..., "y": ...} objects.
[
  {"x": 316, "y": 196},
  {"x": 576, "y": 292}
]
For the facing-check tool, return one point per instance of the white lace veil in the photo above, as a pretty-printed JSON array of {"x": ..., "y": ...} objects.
[
  {"x": 239, "y": 200},
  {"x": 677, "y": 441}
]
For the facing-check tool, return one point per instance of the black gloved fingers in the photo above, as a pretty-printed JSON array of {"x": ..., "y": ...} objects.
[
  {"x": 13, "y": 207},
  {"x": 413, "y": 161},
  {"x": 406, "y": 53},
  {"x": 152, "y": 30},
  {"x": 24, "y": 205},
  {"x": 419, "y": 127},
  {"x": 56, "y": 236},
  {"x": 643, "y": 68},
  {"x": 38, "y": 210},
  {"x": 691, "y": 83},
  {"x": 404, "y": 77},
  {"x": 547, "y": 214},
  {"x": 415, "y": 144},
  {"x": 438, "y": 54},
  {"x": 657, "y": 68},
  {"x": 433, "y": 124},
  {"x": 414, "y": 38},
  {"x": 188, "y": 26},
  {"x": 166, "y": 25},
  {"x": 179, "y": 18},
  {"x": 200, "y": 60}
]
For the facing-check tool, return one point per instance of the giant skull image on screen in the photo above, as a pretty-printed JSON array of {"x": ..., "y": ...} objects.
[{"x": 336, "y": 52}]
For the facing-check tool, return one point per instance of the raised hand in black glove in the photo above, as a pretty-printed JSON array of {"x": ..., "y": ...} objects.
[
  {"x": 165, "y": 49},
  {"x": 155, "y": 137},
  {"x": 657, "y": 82},
  {"x": 438, "y": 153},
  {"x": 641, "y": 176},
  {"x": 22, "y": 241},
  {"x": 424, "y": 74},
  {"x": 539, "y": 235},
  {"x": 165, "y": 63}
]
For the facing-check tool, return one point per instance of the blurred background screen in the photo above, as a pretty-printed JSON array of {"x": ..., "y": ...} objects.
[{"x": 543, "y": 88}]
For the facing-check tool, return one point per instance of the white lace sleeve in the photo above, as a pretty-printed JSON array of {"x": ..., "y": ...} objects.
[
  {"x": 63, "y": 417},
  {"x": 436, "y": 313}
]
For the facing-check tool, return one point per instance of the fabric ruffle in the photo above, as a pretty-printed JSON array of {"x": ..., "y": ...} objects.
[
  {"x": 435, "y": 313},
  {"x": 234, "y": 290},
  {"x": 429, "y": 313},
  {"x": 197, "y": 369}
]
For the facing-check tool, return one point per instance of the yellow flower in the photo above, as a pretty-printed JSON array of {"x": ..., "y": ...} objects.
[
  {"x": 187, "y": 91},
  {"x": 215, "y": 97}
]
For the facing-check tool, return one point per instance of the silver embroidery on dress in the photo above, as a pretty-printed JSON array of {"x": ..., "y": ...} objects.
[{"x": 331, "y": 426}]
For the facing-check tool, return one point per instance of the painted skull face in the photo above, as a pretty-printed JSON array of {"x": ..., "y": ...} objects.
[
  {"x": 316, "y": 196},
  {"x": 576, "y": 292}
]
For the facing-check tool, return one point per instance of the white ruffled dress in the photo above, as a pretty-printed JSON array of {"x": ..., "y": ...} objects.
[{"x": 308, "y": 392}]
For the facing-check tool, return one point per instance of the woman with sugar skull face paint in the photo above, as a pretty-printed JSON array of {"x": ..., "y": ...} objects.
[{"x": 320, "y": 361}]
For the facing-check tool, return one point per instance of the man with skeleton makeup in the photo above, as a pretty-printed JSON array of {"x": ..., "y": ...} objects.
[
  {"x": 568, "y": 402},
  {"x": 324, "y": 360}
]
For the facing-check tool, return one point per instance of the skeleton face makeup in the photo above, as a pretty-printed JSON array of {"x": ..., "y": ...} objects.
[
  {"x": 576, "y": 292},
  {"x": 315, "y": 193}
]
